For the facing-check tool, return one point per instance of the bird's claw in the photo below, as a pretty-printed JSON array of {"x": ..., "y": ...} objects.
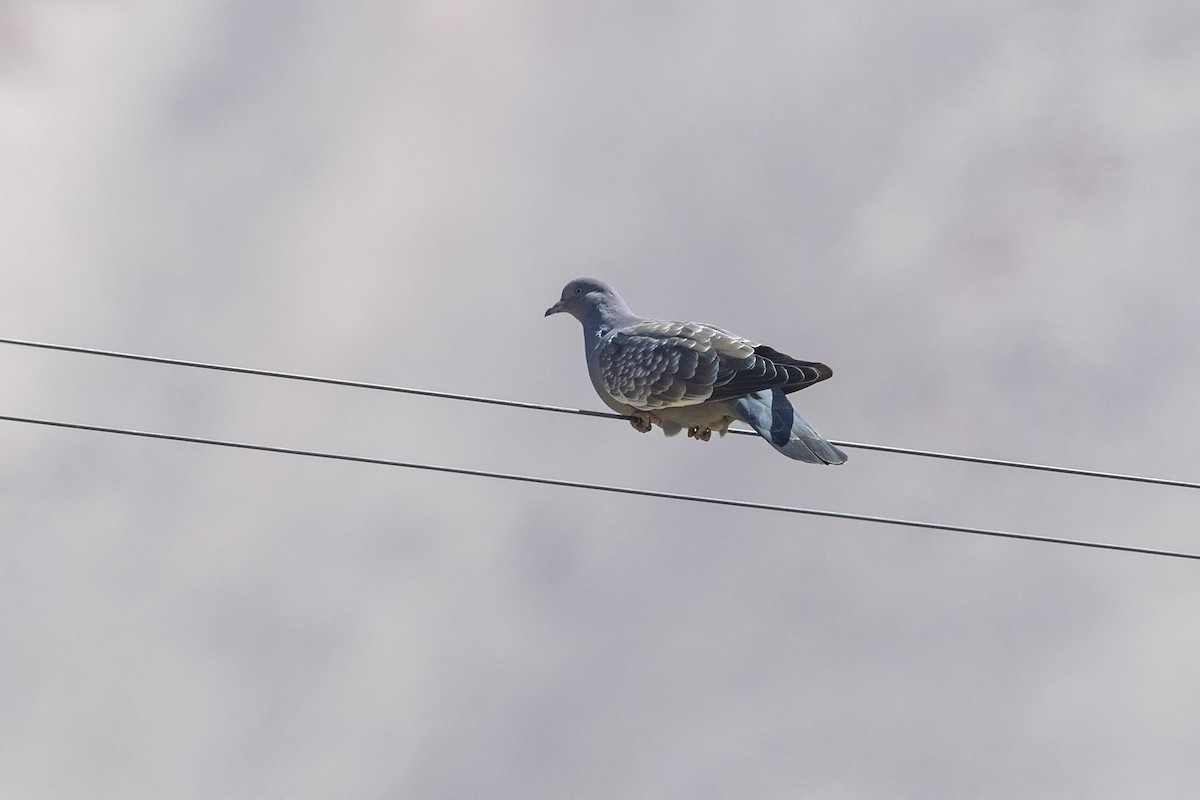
[
  {"x": 642, "y": 421},
  {"x": 700, "y": 434}
]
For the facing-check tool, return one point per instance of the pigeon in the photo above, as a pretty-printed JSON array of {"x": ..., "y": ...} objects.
[{"x": 690, "y": 375}]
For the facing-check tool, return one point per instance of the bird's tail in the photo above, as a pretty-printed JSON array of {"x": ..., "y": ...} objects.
[{"x": 770, "y": 413}]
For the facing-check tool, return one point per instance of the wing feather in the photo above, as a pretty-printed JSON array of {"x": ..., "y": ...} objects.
[{"x": 655, "y": 364}]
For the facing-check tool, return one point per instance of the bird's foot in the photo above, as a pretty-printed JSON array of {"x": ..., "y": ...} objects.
[
  {"x": 699, "y": 433},
  {"x": 643, "y": 420}
]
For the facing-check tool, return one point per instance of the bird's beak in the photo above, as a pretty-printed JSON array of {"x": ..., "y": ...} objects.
[{"x": 554, "y": 309}]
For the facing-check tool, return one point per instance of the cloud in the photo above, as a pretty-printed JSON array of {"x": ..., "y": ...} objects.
[{"x": 980, "y": 218}]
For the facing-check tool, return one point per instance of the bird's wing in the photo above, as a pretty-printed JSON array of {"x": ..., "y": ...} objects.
[{"x": 652, "y": 364}]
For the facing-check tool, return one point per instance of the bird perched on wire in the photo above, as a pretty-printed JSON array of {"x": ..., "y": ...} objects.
[{"x": 690, "y": 375}]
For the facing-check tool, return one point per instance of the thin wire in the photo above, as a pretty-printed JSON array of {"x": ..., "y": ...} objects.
[
  {"x": 600, "y": 487},
  {"x": 998, "y": 462},
  {"x": 292, "y": 376}
]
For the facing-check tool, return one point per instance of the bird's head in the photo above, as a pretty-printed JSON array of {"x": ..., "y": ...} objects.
[{"x": 583, "y": 296}]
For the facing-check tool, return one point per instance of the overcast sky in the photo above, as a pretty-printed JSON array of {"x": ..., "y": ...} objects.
[{"x": 984, "y": 216}]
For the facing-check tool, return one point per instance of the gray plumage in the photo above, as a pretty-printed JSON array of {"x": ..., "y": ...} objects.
[{"x": 690, "y": 375}]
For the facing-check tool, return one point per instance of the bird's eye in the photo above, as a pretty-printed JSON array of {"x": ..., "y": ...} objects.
[{"x": 578, "y": 290}]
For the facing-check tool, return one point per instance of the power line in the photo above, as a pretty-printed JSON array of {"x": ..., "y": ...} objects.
[
  {"x": 908, "y": 451},
  {"x": 600, "y": 487},
  {"x": 1000, "y": 462},
  {"x": 292, "y": 376}
]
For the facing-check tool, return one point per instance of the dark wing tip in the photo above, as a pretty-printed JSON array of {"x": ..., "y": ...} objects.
[{"x": 800, "y": 374}]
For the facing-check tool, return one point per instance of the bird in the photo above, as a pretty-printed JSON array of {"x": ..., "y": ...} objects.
[{"x": 692, "y": 375}]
